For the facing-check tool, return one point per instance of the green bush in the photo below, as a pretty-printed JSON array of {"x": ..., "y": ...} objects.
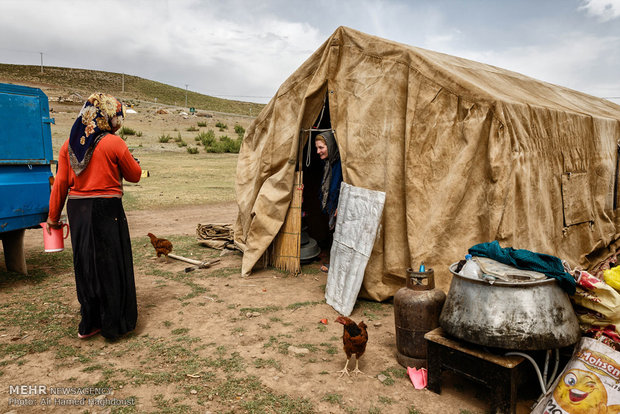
[
  {"x": 164, "y": 138},
  {"x": 236, "y": 146},
  {"x": 202, "y": 124},
  {"x": 192, "y": 129},
  {"x": 221, "y": 126},
  {"x": 240, "y": 131},
  {"x": 192, "y": 150},
  {"x": 215, "y": 148},
  {"x": 206, "y": 138},
  {"x": 126, "y": 131},
  {"x": 178, "y": 138},
  {"x": 224, "y": 144}
]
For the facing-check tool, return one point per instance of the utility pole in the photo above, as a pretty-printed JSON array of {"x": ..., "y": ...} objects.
[
  {"x": 41, "y": 61},
  {"x": 123, "y": 83},
  {"x": 186, "y": 85}
]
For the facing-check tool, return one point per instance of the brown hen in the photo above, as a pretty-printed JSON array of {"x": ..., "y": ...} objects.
[
  {"x": 162, "y": 246},
  {"x": 354, "y": 338}
]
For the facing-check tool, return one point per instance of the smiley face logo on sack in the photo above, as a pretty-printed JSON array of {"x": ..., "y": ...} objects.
[{"x": 582, "y": 392}]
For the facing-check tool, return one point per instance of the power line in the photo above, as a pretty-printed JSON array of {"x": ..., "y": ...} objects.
[{"x": 18, "y": 51}]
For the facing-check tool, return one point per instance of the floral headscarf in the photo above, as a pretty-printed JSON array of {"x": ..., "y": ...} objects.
[{"x": 100, "y": 115}]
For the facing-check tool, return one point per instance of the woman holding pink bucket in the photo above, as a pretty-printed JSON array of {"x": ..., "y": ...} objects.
[
  {"x": 54, "y": 238},
  {"x": 91, "y": 166}
]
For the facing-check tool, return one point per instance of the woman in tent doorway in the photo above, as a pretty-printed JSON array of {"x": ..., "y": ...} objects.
[
  {"x": 92, "y": 164},
  {"x": 327, "y": 150}
]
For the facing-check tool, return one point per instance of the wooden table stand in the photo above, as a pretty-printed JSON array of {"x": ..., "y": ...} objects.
[{"x": 500, "y": 374}]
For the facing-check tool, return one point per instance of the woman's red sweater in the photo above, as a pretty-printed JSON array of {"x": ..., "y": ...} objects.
[{"x": 111, "y": 162}]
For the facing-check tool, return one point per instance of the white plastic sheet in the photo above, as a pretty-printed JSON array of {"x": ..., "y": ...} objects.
[{"x": 357, "y": 223}]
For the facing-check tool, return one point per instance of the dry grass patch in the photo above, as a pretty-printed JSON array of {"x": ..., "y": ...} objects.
[{"x": 181, "y": 179}]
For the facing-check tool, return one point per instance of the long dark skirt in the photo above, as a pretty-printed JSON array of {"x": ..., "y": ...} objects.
[{"x": 103, "y": 266}]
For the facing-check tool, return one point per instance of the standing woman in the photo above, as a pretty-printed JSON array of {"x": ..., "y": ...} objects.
[
  {"x": 327, "y": 150},
  {"x": 91, "y": 166}
]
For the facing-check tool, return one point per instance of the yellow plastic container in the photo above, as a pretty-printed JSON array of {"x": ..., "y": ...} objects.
[{"x": 612, "y": 277}]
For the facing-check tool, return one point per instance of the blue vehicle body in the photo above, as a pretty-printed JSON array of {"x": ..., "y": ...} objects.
[{"x": 26, "y": 157}]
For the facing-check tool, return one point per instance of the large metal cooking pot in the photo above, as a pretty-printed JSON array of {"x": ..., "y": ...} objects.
[{"x": 528, "y": 315}]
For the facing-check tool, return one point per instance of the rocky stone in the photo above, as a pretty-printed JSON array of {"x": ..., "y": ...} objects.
[{"x": 298, "y": 351}]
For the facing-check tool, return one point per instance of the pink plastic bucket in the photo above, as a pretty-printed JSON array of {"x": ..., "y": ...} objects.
[{"x": 54, "y": 242}]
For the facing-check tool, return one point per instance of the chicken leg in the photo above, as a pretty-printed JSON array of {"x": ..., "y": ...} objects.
[
  {"x": 356, "y": 371},
  {"x": 344, "y": 370}
]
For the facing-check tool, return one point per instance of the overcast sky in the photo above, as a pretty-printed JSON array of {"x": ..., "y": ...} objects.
[{"x": 244, "y": 49}]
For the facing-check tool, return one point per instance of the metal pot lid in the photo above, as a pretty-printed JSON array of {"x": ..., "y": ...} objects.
[
  {"x": 304, "y": 238},
  {"x": 309, "y": 250}
]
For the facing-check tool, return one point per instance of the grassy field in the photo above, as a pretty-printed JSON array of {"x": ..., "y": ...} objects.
[{"x": 178, "y": 178}]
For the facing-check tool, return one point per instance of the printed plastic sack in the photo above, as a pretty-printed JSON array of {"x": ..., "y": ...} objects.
[
  {"x": 588, "y": 385},
  {"x": 612, "y": 277},
  {"x": 596, "y": 303}
]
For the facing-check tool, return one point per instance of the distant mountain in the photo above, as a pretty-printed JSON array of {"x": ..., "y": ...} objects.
[{"x": 79, "y": 83}]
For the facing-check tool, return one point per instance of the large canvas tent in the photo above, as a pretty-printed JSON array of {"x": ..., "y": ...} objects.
[{"x": 466, "y": 153}]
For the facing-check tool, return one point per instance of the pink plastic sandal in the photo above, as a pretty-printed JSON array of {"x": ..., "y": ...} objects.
[
  {"x": 418, "y": 377},
  {"x": 93, "y": 333}
]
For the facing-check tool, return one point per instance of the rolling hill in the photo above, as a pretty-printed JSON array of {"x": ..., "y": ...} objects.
[{"x": 77, "y": 84}]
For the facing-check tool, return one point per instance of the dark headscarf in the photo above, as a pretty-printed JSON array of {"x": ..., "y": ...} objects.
[
  {"x": 333, "y": 160},
  {"x": 100, "y": 115}
]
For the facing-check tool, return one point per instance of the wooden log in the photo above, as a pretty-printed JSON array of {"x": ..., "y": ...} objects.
[
  {"x": 197, "y": 263},
  {"x": 203, "y": 265},
  {"x": 184, "y": 259}
]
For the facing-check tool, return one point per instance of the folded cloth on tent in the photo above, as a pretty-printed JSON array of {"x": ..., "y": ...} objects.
[{"x": 527, "y": 260}]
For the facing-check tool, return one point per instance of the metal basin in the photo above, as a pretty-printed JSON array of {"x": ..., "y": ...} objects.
[{"x": 532, "y": 315}]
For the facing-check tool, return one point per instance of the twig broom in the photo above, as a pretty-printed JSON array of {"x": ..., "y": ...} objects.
[{"x": 286, "y": 247}]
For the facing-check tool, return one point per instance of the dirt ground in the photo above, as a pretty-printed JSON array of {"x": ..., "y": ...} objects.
[{"x": 243, "y": 316}]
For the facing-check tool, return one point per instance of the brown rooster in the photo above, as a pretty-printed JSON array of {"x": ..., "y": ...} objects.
[
  {"x": 162, "y": 246},
  {"x": 354, "y": 338}
]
